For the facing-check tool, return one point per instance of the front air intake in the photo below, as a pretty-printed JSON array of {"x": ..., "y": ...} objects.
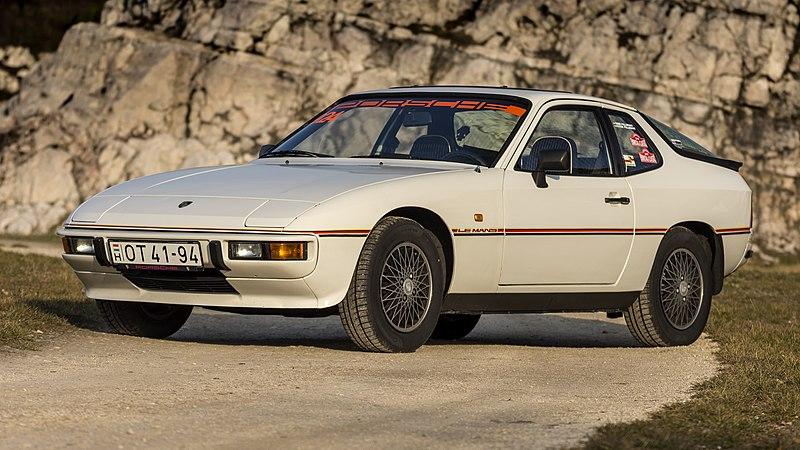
[{"x": 208, "y": 281}]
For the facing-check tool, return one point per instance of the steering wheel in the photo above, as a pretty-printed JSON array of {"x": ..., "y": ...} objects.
[{"x": 464, "y": 157}]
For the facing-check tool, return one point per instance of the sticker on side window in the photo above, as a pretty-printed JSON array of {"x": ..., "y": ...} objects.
[
  {"x": 623, "y": 125},
  {"x": 630, "y": 161},
  {"x": 638, "y": 141},
  {"x": 647, "y": 157}
]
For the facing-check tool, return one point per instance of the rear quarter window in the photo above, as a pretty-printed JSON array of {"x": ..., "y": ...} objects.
[
  {"x": 686, "y": 147},
  {"x": 679, "y": 140}
]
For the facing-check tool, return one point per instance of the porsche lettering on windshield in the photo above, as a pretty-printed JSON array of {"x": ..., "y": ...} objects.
[{"x": 457, "y": 104}]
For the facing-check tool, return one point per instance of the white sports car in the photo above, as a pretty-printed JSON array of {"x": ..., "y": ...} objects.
[{"x": 411, "y": 211}]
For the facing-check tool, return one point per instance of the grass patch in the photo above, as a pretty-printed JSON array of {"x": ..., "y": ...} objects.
[
  {"x": 755, "y": 400},
  {"x": 39, "y": 293}
]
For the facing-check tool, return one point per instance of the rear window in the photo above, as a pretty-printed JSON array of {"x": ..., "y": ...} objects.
[{"x": 679, "y": 140}]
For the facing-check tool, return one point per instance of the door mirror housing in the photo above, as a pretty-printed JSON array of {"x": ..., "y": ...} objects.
[
  {"x": 555, "y": 161},
  {"x": 554, "y": 156},
  {"x": 266, "y": 148}
]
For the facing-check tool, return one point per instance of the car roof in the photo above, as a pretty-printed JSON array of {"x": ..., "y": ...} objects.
[{"x": 534, "y": 95}]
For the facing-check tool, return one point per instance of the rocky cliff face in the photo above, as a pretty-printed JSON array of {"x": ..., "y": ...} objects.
[
  {"x": 15, "y": 63},
  {"x": 174, "y": 83}
]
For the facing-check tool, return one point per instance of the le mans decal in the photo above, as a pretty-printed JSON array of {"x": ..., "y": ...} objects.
[{"x": 477, "y": 231}]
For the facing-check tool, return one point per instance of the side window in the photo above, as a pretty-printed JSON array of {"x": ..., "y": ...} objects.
[
  {"x": 638, "y": 152},
  {"x": 406, "y": 135},
  {"x": 486, "y": 130},
  {"x": 580, "y": 126},
  {"x": 414, "y": 123}
]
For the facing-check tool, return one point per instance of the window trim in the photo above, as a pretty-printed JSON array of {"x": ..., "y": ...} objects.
[
  {"x": 715, "y": 160},
  {"x": 612, "y": 169},
  {"x": 620, "y": 161}
]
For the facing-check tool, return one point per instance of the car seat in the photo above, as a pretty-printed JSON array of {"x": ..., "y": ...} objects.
[{"x": 430, "y": 146}]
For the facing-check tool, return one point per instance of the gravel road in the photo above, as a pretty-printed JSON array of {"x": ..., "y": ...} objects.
[
  {"x": 26, "y": 246},
  {"x": 244, "y": 381}
]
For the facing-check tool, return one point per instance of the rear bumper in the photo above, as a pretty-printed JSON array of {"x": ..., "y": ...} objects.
[
  {"x": 737, "y": 248},
  {"x": 319, "y": 282}
]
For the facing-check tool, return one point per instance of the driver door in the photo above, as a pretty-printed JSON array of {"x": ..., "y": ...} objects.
[{"x": 579, "y": 229}]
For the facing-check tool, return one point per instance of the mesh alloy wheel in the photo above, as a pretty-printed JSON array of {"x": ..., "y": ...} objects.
[
  {"x": 395, "y": 297},
  {"x": 406, "y": 287},
  {"x": 681, "y": 288},
  {"x": 674, "y": 304}
]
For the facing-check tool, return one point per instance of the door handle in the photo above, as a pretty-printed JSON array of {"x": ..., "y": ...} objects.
[{"x": 618, "y": 200}]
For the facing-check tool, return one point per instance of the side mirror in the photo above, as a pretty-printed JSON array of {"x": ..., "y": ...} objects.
[
  {"x": 554, "y": 157},
  {"x": 266, "y": 148}
]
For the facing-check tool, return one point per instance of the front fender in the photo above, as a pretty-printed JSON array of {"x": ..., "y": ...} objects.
[{"x": 456, "y": 196}]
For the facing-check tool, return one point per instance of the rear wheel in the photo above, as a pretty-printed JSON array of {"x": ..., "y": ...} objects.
[
  {"x": 153, "y": 320},
  {"x": 674, "y": 306},
  {"x": 455, "y": 326},
  {"x": 396, "y": 293}
]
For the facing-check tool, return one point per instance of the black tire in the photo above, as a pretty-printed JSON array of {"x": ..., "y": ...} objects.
[
  {"x": 455, "y": 326},
  {"x": 646, "y": 317},
  {"x": 152, "y": 320},
  {"x": 362, "y": 312}
]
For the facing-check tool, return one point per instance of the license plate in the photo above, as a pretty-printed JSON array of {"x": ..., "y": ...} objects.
[{"x": 156, "y": 253}]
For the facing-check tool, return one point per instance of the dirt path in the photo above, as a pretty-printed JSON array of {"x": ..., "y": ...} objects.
[
  {"x": 237, "y": 381},
  {"x": 27, "y": 246}
]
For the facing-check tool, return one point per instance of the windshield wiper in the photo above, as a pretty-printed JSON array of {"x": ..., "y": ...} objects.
[
  {"x": 296, "y": 153},
  {"x": 387, "y": 156}
]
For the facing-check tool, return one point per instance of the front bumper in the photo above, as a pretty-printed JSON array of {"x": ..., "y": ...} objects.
[{"x": 320, "y": 281}]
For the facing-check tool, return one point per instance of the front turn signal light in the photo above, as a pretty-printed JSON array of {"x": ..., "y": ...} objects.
[{"x": 287, "y": 251}]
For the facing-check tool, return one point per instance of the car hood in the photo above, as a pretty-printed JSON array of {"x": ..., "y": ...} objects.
[{"x": 265, "y": 193}]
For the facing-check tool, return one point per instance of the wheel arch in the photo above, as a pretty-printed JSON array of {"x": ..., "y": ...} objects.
[
  {"x": 436, "y": 225},
  {"x": 717, "y": 250}
]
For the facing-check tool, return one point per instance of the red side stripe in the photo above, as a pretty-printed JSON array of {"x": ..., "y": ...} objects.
[
  {"x": 733, "y": 230},
  {"x": 532, "y": 231},
  {"x": 568, "y": 230}
]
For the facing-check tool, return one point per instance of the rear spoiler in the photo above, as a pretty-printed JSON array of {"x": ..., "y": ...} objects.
[{"x": 722, "y": 162}]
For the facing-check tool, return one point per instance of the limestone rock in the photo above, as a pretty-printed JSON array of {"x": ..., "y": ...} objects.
[
  {"x": 15, "y": 63},
  {"x": 45, "y": 178},
  {"x": 163, "y": 84}
]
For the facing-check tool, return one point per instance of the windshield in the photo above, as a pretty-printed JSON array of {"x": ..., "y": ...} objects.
[{"x": 467, "y": 130}]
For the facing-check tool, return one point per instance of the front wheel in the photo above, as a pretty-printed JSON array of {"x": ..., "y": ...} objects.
[
  {"x": 396, "y": 293},
  {"x": 674, "y": 306},
  {"x": 153, "y": 320}
]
